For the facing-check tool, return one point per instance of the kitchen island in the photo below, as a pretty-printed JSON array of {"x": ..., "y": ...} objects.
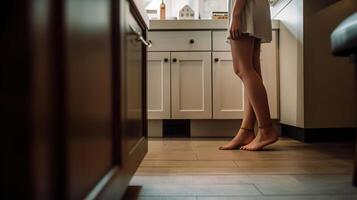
[{"x": 74, "y": 98}]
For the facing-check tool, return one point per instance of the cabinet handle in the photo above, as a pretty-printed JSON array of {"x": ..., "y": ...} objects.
[
  {"x": 146, "y": 43},
  {"x": 216, "y": 59},
  {"x": 140, "y": 37},
  {"x": 192, "y": 41},
  {"x": 166, "y": 60},
  {"x": 174, "y": 60}
]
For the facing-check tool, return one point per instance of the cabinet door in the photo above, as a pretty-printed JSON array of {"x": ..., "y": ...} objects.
[
  {"x": 158, "y": 85},
  {"x": 191, "y": 85},
  {"x": 88, "y": 96},
  {"x": 228, "y": 89},
  {"x": 129, "y": 103},
  {"x": 269, "y": 67}
]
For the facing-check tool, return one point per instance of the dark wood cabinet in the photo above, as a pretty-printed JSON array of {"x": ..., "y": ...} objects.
[
  {"x": 132, "y": 99},
  {"x": 88, "y": 95},
  {"x": 73, "y": 97}
]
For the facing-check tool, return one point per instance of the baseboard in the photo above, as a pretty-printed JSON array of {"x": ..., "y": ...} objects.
[
  {"x": 154, "y": 128},
  {"x": 207, "y": 128},
  {"x": 314, "y": 135},
  {"x": 176, "y": 128}
]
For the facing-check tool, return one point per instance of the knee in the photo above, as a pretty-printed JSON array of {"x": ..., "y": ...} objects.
[{"x": 242, "y": 73}]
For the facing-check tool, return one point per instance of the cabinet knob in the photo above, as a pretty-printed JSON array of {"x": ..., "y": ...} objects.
[
  {"x": 166, "y": 60},
  {"x": 216, "y": 59},
  {"x": 174, "y": 60},
  {"x": 192, "y": 41}
]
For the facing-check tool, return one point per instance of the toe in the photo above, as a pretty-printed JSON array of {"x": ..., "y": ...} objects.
[
  {"x": 225, "y": 148},
  {"x": 222, "y": 148}
]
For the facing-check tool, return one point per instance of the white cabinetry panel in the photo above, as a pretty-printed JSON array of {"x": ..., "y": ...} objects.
[
  {"x": 158, "y": 85},
  {"x": 191, "y": 85},
  {"x": 269, "y": 66},
  {"x": 228, "y": 89}
]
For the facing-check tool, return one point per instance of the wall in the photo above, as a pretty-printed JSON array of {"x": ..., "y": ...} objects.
[
  {"x": 202, "y": 8},
  {"x": 316, "y": 88},
  {"x": 329, "y": 87},
  {"x": 291, "y": 61}
]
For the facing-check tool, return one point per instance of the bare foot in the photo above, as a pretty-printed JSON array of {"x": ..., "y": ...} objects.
[
  {"x": 243, "y": 137},
  {"x": 265, "y": 137}
]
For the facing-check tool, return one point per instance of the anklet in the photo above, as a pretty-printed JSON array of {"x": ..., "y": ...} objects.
[{"x": 247, "y": 129}]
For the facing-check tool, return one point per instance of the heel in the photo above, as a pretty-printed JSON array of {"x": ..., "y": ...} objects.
[{"x": 266, "y": 126}]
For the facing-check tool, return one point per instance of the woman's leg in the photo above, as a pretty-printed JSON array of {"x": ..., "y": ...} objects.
[
  {"x": 249, "y": 115},
  {"x": 267, "y": 134},
  {"x": 243, "y": 54},
  {"x": 244, "y": 137}
]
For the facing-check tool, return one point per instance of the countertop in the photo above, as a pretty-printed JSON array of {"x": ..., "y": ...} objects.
[{"x": 195, "y": 24}]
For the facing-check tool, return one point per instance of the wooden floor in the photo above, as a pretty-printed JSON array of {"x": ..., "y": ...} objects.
[{"x": 194, "y": 169}]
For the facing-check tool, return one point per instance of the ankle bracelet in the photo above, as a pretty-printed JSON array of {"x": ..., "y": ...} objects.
[{"x": 247, "y": 129}]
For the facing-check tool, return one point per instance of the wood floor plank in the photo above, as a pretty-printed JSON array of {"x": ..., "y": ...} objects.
[
  {"x": 312, "y": 197},
  {"x": 216, "y": 179},
  {"x": 307, "y": 189},
  {"x": 187, "y": 163},
  {"x": 197, "y": 190},
  {"x": 170, "y": 156},
  {"x": 159, "y": 198},
  {"x": 301, "y": 197},
  {"x": 228, "y": 198}
]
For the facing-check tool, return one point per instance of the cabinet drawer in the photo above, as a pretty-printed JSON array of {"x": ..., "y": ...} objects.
[
  {"x": 220, "y": 41},
  {"x": 180, "y": 40}
]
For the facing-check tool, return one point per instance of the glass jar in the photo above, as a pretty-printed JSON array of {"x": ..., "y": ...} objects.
[{"x": 209, "y": 6}]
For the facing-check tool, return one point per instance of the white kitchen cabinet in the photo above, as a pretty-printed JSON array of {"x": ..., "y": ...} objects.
[
  {"x": 158, "y": 85},
  {"x": 187, "y": 91},
  {"x": 269, "y": 66},
  {"x": 191, "y": 85},
  {"x": 228, "y": 89}
]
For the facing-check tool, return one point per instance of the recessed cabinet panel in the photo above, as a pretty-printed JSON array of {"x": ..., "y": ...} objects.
[
  {"x": 191, "y": 85},
  {"x": 158, "y": 85},
  {"x": 269, "y": 66},
  {"x": 228, "y": 89},
  {"x": 180, "y": 40}
]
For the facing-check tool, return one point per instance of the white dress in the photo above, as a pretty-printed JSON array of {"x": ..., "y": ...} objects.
[{"x": 256, "y": 20}]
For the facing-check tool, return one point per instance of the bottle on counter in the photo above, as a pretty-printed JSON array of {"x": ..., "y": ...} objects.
[{"x": 162, "y": 10}]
